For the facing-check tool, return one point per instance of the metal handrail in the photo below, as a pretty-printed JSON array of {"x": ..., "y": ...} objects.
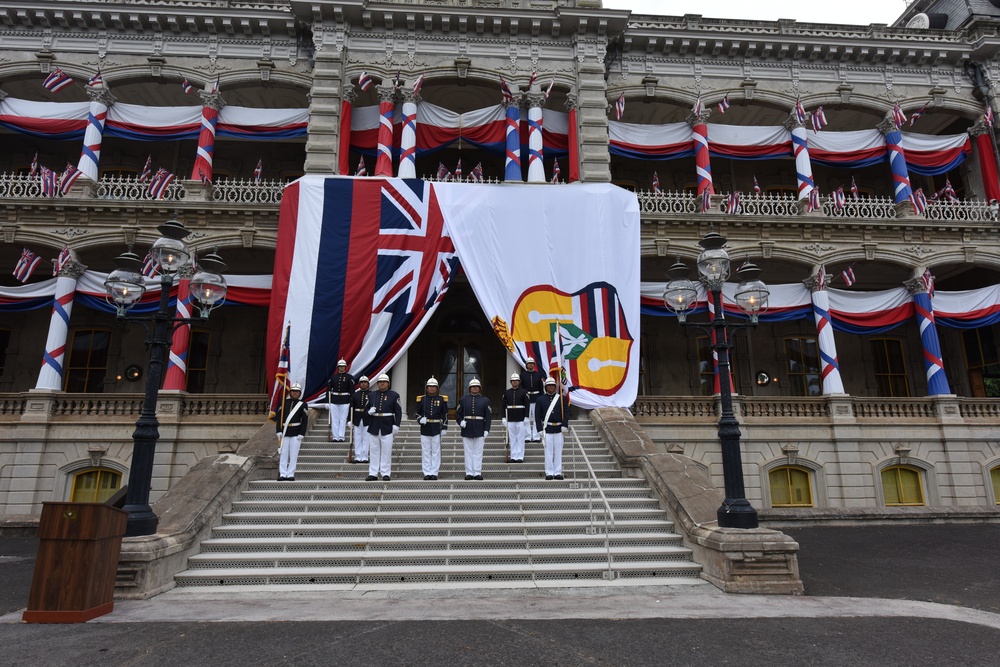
[{"x": 592, "y": 480}]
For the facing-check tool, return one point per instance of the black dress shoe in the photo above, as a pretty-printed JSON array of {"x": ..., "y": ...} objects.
[
  {"x": 434, "y": 477},
  {"x": 468, "y": 477},
  {"x": 559, "y": 476},
  {"x": 478, "y": 478},
  {"x": 371, "y": 478},
  {"x": 428, "y": 477},
  {"x": 549, "y": 477},
  {"x": 365, "y": 461},
  {"x": 387, "y": 479},
  {"x": 281, "y": 479},
  {"x": 289, "y": 479}
]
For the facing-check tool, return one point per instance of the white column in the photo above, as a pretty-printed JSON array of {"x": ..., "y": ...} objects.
[
  {"x": 828, "y": 361},
  {"x": 408, "y": 139},
  {"x": 536, "y": 168},
  {"x": 90, "y": 157},
  {"x": 51, "y": 375}
]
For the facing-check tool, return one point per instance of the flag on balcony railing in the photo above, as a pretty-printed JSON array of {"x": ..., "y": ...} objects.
[
  {"x": 97, "y": 79},
  {"x": 57, "y": 80},
  {"x": 508, "y": 96},
  {"x": 839, "y": 199},
  {"x": 756, "y": 186},
  {"x": 477, "y": 173},
  {"x": 656, "y": 184},
  {"x": 949, "y": 192},
  {"x": 458, "y": 170},
  {"x": 733, "y": 204},
  {"x": 258, "y": 171},
  {"x": 149, "y": 265},
  {"x": 848, "y": 275},
  {"x": 26, "y": 265},
  {"x": 800, "y": 110},
  {"x": 556, "y": 172},
  {"x": 60, "y": 261},
  {"x": 442, "y": 173},
  {"x": 818, "y": 119},
  {"x": 706, "y": 200},
  {"x": 813, "y": 203},
  {"x": 34, "y": 166},
  {"x": 69, "y": 177},
  {"x": 205, "y": 178},
  {"x": 281, "y": 377},
  {"x": 854, "y": 189},
  {"x": 50, "y": 183},
  {"x": 147, "y": 170},
  {"x": 898, "y": 117},
  {"x": 919, "y": 201},
  {"x": 917, "y": 114},
  {"x": 186, "y": 86},
  {"x": 927, "y": 280},
  {"x": 159, "y": 183},
  {"x": 364, "y": 81},
  {"x": 620, "y": 107},
  {"x": 362, "y": 169},
  {"x": 724, "y": 104}
]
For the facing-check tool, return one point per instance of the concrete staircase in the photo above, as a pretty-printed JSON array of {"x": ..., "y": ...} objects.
[{"x": 330, "y": 528}]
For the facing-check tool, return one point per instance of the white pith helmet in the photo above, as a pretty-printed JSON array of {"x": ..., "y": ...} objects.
[
  {"x": 382, "y": 378},
  {"x": 432, "y": 383},
  {"x": 341, "y": 363},
  {"x": 364, "y": 378},
  {"x": 295, "y": 387},
  {"x": 549, "y": 381},
  {"x": 474, "y": 383},
  {"x": 515, "y": 376},
  {"x": 529, "y": 360}
]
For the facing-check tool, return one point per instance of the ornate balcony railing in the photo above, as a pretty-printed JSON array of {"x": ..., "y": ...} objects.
[
  {"x": 130, "y": 188},
  {"x": 128, "y": 406},
  {"x": 248, "y": 191}
]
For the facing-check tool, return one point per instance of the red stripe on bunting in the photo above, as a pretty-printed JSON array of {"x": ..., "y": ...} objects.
[
  {"x": 288, "y": 218},
  {"x": 361, "y": 265}
]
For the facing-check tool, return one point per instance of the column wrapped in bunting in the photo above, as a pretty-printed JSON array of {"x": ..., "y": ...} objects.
[
  {"x": 937, "y": 381},
  {"x": 897, "y": 160},
  {"x": 829, "y": 362},
  {"x": 512, "y": 112},
  {"x": 987, "y": 159},
  {"x": 52, "y": 373},
  {"x": 574, "y": 146},
  {"x": 803, "y": 166},
  {"x": 176, "y": 377},
  {"x": 702, "y": 162},
  {"x": 212, "y": 104},
  {"x": 386, "y": 111},
  {"x": 344, "y": 151},
  {"x": 536, "y": 168},
  {"x": 90, "y": 157},
  {"x": 408, "y": 139}
]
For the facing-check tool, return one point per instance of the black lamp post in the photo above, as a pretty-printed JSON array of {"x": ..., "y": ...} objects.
[
  {"x": 680, "y": 296},
  {"x": 125, "y": 286}
]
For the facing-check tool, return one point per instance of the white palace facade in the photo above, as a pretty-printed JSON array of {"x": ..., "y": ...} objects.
[{"x": 861, "y": 399}]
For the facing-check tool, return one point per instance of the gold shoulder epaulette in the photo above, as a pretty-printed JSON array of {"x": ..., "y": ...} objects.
[
  {"x": 445, "y": 397},
  {"x": 420, "y": 398}
]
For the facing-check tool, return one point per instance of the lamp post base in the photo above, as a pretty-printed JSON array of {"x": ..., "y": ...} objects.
[
  {"x": 141, "y": 521},
  {"x": 737, "y": 513}
]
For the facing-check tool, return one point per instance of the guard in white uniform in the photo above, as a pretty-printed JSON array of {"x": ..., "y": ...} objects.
[
  {"x": 474, "y": 417},
  {"x": 515, "y": 414},
  {"x": 386, "y": 414},
  {"x": 360, "y": 419},
  {"x": 291, "y": 422},
  {"x": 552, "y": 419},
  {"x": 432, "y": 413},
  {"x": 339, "y": 389}
]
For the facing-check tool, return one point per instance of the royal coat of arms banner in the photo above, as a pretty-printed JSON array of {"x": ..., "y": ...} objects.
[{"x": 362, "y": 263}]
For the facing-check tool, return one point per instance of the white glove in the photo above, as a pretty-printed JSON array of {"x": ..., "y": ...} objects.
[
  {"x": 371, "y": 410},
  {"x": 462, "y": 424},
  {"x": 395, "y": 430},
  {"x": 504, "y": 420},
  {"x": 423, "y": 420},
  {"x": 565, "y": 429},
  {"x": 486, "y": 434}
]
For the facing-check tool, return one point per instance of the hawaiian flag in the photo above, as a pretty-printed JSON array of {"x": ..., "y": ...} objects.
[
  {"x": 724, "y": 104},
  {"x": 927, "y": 280},
  {"x": 548, "y": 90},
  {"x": 948, "y": 191},
  {"x": 477, "y": 174},
  {"x": 706, "y": 200},
  {"x": 159, "y": 183},
  {"x": 34, "y": 166},
  {"x": 364, "y": 81},
  {"x": 821, "y": 277},
  {"x": 97, "y": 79},
  {"x": 362, "y": 170},
  {"x": 57, "y": 80},
  {"x": 258, "y": 171},
  {"x": 68, "y": 178},
  {"x": 205, "y": 178},
  {"x": 508, "y": 96},
  {"x": 61, "y": 261},
  {"x": 756, "y": 186},
  {"x": 839, "y": 199},
  {"x": 733, "y": 204},
  {"x": 281, "y": 383},
  {"x": 149, "y": 265},
  {"x": 917, "y": 114},
  {"x": 699, "y": 108},
  {"x": 818, "y": 119},
  {"x": 186, "y": 86},
  {"x": 800, "y": 110},
  {"x": 418, "y": 84},
  {"x": 50, "y": 183},
  {"x": 656, "y": 184},
  {"x": 898, "y": 117},
  {"x": 26, "y": 265},
  {"x": 147, "y": 170},
  {"x": 442, "y": 173},
  {"x": 854, "y": 189},
  {"x": 919, "y": 201},
  {"x": 620, "y": 107},
  {"x": 848, "y": 276},
  {"x": 458, "y": 170},
  {"x": 988, "y": 116},
  {"x": 813, "y": 204},
  {"x": 556, "y": 172}
]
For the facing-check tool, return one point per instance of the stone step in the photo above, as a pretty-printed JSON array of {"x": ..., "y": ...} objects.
[
  {"x": 462, "y": 495},
  {"x": 383, "y": 506},
  {"x": 387, "y": 528},
  {"x": 443, "y": 516}
]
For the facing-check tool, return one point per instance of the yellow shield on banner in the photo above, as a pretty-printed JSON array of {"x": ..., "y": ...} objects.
[
  {"x": 537, "y": 311},
  {"x": 602, "y": 364}
]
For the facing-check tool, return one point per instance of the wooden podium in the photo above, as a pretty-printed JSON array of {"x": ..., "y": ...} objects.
[{"x": 78, "y": 549}]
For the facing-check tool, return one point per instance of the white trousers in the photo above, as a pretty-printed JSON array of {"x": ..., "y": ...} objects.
[
  {"x": 289, "y": 455},
  {"x": 473, "y": 455},
  {"x": 338, "y": 420},
  {"x": 430, "y": 454},
  {"x": 360, "y": 443},
  {"x": 553, "y": 453},
  {"x": 380, "y": 455},
  {"x": 517, "y": 432},
  {"x": 531, "y": 431}
]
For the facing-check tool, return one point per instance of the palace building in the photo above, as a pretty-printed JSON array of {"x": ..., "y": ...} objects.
[{"x": 855, "y": 165}]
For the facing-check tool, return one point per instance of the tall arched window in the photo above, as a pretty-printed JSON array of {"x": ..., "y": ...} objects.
[
  {"x": 790, "y": 487},
  {"x": 901, "y": 485},
  {"x": 995, "y": 477},
  {"x": 95, "y": 485}
]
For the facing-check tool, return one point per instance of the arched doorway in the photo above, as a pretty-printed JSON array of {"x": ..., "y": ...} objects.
[{"x": 456, "y": 346}]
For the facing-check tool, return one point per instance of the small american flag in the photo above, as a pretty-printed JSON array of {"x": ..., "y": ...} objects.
[
  {"x": 556, "y": 172},
  {"x": 186, "y": 86},
  {"x": 50, "y": 183},
  {"x": 443, "y": 174},
  {"x": 898, "y": 117},
  {"x": 733, "y": 204},
  {"x": 149, "y": 265},
  {"x": 97, "y": 79},
  {"x": 813, "y": 203},
  {"x": 418, "y": 84},
  {"x": 927, "y": 280},
  {"x": 848, "y": 276},
  {"x": 477, "y": 173},
  {"x": 458, "y": 170},
  {"x": 34, "y": 166},
  {"x": 508, "y": 96},
  {"x": 57, "y": 80},
  {"x": 839, "y": 199},
  {"x": 988, "y": 116},
  {"x": 364, "y": 81},
  {"x": 854, "y": 189},
  {"x": 800, "y": 110},
  {"x": 61, "y": 261},
  {"x": 919, "y": 201},
  {"x": 69, "y": 177},
  {"x": 147, "y": 170},
  {"x": 258, "y": 171},
  {"x": 917, "y": 114},
  {"x": 656, "y": 184},
  {"x": 620, "y": 107},
  {"x": 362, "y": 170},
  {"x": 699, "y": 108},
  {"x": 818, "y": 119},
  {"x": 756, "y": 186},
  {"x": 26, "y": 265},
  {"x": 706, "y": 200},
  {"x": 724, "y": 104}
]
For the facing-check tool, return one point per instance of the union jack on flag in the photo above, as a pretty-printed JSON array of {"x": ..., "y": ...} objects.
[
  {"x": 756, "y": 186},
  {"x": 69, "y": 177},
  {"x": 281, "y": 384},
  {"x": 898, "y": 117},
  {"x": 442, "y": 173},
  {"x": 818, "y": 119},
  {"x": 26, "y": 265},
  {"x": 61, "y": 261},
  {"x": 149, "y": 265},
  {"x": 813, "y": 204},
  {"x": 988, "y": 116},
  {"x": 364, "y": 81},
  {"x": 556, "y": 172},
  {"x": 258, "y": 171},
  {"x": 50, "y": 183},
  {"x": 362, "y": 170},
  {"x": 724, "y": 104},
  {"x": 34, "y": 166},
  {"x": 854, "y": 189},
  {"x": 917, "y": 114},
  {"x": 620, "y": 107},
  {"x": 848, "y": 276},
  {"x": 508, "y": 96},
  {"x": 733, "y": 204},
  {"x": 159, "y": 183},
  {"x": 949, "y": 192},
  {"x": 186, "y": 86},
  {"x": 706, "y": 200},
  {"x": 57, "y": 80},
  {"x": 97, "y": 79},
  {"x": 800, "y": 110},
  {"x": 656, "y": 184},
  {"x": 839, "y": 199},
  {"x": 477, "y": 173},
  {"x": 919, "y": 201},
  {"x": 147, "y": 170}
]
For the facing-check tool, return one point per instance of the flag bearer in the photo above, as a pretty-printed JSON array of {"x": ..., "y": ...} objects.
[
  {"x": 516, "y": 407},
  {"x": 291, "y": 423},
  {"x": 552, "y": 418},
  {"x": 432, "y": 413},
  {"x": 360, "y": 402},
  {"x": 386, "y": 414},
  {"x": 339, "y": 389},
  {"x": 532, "y": 380},
  {"x": 474, "y": 417}
]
